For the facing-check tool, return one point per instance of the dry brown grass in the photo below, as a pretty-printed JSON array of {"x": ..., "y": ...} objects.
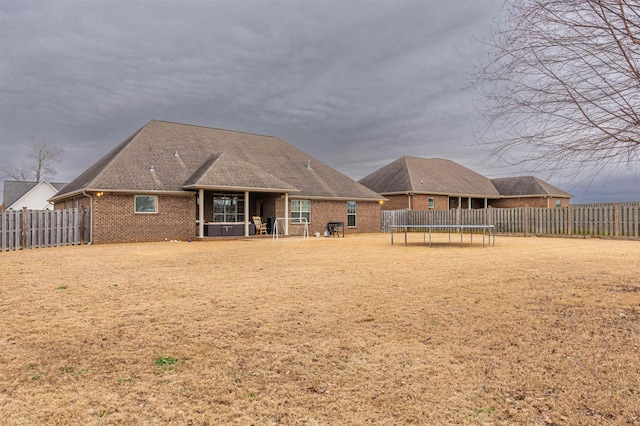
[{"x": 330, "y": 331}]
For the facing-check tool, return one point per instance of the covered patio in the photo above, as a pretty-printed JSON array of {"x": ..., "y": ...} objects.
[{"x": 223, "y": 212}]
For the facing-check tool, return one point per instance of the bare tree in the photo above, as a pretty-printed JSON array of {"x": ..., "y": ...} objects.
[
  {"x": 39, "y": 165},
  {"x": 561, "y": 85},
  {"x": 15, "y": 172}
]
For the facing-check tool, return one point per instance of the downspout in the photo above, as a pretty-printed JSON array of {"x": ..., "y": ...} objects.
[{"x": 92, "y": 216}]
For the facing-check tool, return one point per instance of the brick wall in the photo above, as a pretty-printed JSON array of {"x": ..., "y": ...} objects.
[
  {"x": 418, "y": 202},
  {"x": 441, "y": 202},
  {"x": 528, "y": 201},
  {"x": 72, "y": 203},
  {"x": 396, "y": 202},
  {"x": 115, "y": 221},
  {"x": 421, "y": 202},
  {"x": 367, "y": 215}
]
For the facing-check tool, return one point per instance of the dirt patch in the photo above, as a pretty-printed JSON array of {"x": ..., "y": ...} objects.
[{"x": 323, "y": 332}]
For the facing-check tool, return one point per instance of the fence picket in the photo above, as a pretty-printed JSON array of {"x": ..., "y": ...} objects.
[
  {"x": 599, "y": 219},
  {"x": 44, "y": 228}
]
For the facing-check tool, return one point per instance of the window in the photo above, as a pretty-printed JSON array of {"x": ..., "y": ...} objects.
[
  {"x": 228, "y": 207},
  {"x": 351, "y": 213},
  {"x": 558, "y": 203},
  {"x": 300, "y": 209},
  {"x": 431, "y": 202},
  {"x": 146, "y": 204}
]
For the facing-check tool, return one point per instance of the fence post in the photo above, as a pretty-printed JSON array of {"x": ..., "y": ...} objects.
[
  {"x": 570, "y": 220},
  {"x": 616, "y": 220},
  {"x": 81, "y": 212},
  {"x": 24, "y": 228}
]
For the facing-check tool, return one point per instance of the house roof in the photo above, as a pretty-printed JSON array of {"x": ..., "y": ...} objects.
[
  {"x": 13, "y": 190},
  {"x": 527, "y": 186},
  {"x": 446, "y": 177},
  {"x": 225, "y": 170},
  {"x": 171, "y": 157},
  {"x": 429, "y": 176}
]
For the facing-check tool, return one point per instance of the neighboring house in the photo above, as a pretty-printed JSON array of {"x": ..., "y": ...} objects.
[
  {"x": 179, "y": 181},
  {"x": 32, "y": 195},
  {"x": 529, "y": 191},
  {"x": 421, "y": 184}
]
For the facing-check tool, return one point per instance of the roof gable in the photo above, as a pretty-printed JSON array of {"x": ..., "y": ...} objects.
[
  {"x": 226, "y": 170},
  {"x": 15, "y": 190},
  {"x": 33, "y": 195}
]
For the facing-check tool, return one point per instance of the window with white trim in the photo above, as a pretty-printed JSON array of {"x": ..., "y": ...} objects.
[
  {"x": 228, "y": 207},
  {"x": 146, "y": 204},
  {"x": 300, "y": 209},
  {"x": 432, "y": 202},
  {"x": 351, "y": 213}
]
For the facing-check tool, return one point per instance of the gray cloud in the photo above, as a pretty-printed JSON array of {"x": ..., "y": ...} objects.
[{"x": 356, "y": 84}]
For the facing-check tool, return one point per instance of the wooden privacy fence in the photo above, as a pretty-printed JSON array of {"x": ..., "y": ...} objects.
[
  {"x": 614, "y": 219},
  {"x": 24, "y": 229}
]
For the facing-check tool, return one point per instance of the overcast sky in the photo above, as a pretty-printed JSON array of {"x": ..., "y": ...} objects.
[{"x": 357, "y": 84}]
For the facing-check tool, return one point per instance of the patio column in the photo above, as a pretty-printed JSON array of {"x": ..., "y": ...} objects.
[
  {"x": 486, "y": 203},
  {"x": 286, "y": 213},
  {"x": 201, "y": 213},
  {"x": 469, "y": 204},
  {"x": 246, "y": 213}
]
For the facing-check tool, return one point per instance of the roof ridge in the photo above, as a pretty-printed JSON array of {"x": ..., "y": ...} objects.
[
  {"x": 117, "y": 151},
  {"x": 21, "y": 181},
  {"x": 203, "y": 168},
  {"x": 541, "y": 185},
  {"x": 213, "y": 128},
  {"x": 408, "y": 171}
]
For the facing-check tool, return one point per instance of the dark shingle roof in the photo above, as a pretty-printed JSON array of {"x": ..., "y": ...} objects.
[
  {"x": 527, "y": 185},
  {"x": 429, "y": 176},
  {"x": 227, "y": 171},
  {"x": 14, "y": 189},
  {"x": 186, "y": 156}
]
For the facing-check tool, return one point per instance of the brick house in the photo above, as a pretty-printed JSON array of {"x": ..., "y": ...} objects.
[
  {"x": 421, "y": 184},
  {"x": 178, "y": 181},
  {"x": 528, "y": 191}
]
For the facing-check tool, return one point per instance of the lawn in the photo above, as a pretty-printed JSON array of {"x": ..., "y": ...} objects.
[{"x": 328, "y": 331}]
